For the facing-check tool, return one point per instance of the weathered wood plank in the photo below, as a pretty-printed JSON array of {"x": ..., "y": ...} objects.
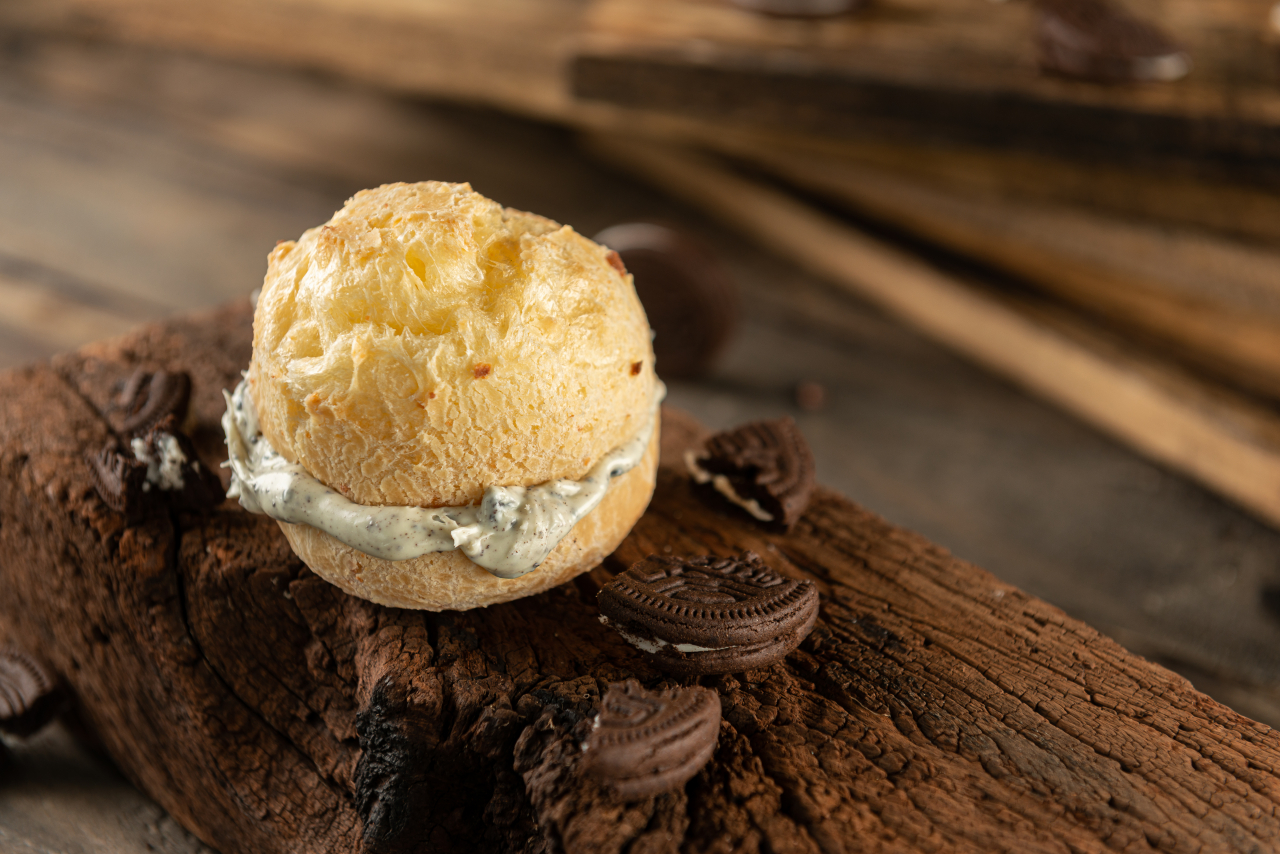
[
  {"x": 934, "y": 707},
  {"x": 962, "y": 72},
  {"x": 1200, "y": 298},
  {"x": 930, "y": 69},
  {"x": 1228, "y": 443}
]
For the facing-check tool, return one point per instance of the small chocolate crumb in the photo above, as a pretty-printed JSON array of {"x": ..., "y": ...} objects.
[
  {"x": 811, "y": 396},
  {"x": 688, "y": 296},
  {"x": 635, "y": 368},
  {"x": 701, "y": 615},
  {"x": 481, "y": 370},
  {"x": 764, "y": 469},
  {"x": 1097, "y": 40},
  {"x": 29, "y": 695},
  {"x": 645, "y": 743}
]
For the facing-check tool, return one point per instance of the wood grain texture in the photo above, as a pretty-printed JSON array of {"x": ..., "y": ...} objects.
[
  {"x": 1201, "y": 298},
  {"x": 959, "y": 72},
  {"x": 1228, "y": 443},
  {"x": 933, "y": 708},
  {"x": 964, "y": 72}
]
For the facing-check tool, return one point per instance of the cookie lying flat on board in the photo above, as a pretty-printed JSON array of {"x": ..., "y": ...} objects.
[
  {"x": 763, "y": 467},
  {"x": 644, "y": 743},
  {"x": 709, "y": 614}
]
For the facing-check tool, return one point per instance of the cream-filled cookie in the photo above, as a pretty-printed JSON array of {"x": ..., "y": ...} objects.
[{"x": 450, "y": 403}]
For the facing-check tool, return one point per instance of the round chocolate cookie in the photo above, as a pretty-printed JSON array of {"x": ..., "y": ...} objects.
[
  {"x": 1098, "y": 40},
  {"x": 644, "y": 743},
  {"x": 149, "y": 398},
  {"x": 29, "y": 695},
  {"x": 763, "y": 467},
  {"x": 709, "y": 614},
  {"x": 689, "y": 298}
]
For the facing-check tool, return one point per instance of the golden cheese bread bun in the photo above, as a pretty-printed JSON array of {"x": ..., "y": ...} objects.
[{"x": 426, "y": 344}]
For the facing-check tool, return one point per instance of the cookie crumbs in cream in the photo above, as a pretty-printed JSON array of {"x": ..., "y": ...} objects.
[{"x": 509, "y": 534}]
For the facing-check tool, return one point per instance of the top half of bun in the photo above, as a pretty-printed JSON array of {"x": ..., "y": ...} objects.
[{"x": 427, "y": 343}]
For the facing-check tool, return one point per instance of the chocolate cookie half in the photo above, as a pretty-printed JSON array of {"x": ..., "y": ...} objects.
[
  {"x": 29, "y": 695},
  {"x": 149, "y": 398},
  {"x": 764, "y": 467},
  {"x": 709, "y": 614},
  {"x": 1098, "y": 40},
  {"x": 644, "y": 743}
]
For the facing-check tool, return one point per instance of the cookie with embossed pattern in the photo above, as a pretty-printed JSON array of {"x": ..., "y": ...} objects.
[
  {"x": 644, "y": 743},
  {"x": 148, "y": 398},
  {"x": 763, "y": 468},
  {"x": 29, "y": 695},
  {"x": 709, "y": 614}
]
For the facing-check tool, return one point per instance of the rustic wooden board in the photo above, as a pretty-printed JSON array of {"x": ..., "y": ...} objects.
[
  {"x": 1195, "y": 297},
  {"x": 938, "y": 70},
  {"x": 934, "y": 707},
  {"x": 963, "y": 72}
]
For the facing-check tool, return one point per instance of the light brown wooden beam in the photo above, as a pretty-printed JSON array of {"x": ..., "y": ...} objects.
[
  {"x": 913, "y": 67},
  {"x": 1221, "y": 440},
  {"x": 1206, "y": 299}
]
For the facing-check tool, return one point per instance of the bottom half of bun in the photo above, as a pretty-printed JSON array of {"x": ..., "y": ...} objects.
[{"x": 449, "y": 581}]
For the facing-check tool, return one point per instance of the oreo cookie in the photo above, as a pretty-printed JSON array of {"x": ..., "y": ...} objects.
[
  {"x": 644, "y": 743},
  {"x": 158, "y": 469},
  {"x": 764, "y": 468},
  {"x": 1097, "y": 40},
  {"x": 149, "y": 398},
  {"x": 174, "y": 468},
  {"x": 120, "y": 480},
  {"x": 699, "y": 615},
  {"x": 689, "y": 298},
  {"x": 29, "y": 695}
]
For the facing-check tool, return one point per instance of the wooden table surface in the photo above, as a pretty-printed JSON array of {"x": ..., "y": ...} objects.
[{"x": 140, "y": 184}]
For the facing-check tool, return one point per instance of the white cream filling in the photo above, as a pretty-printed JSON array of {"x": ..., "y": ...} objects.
[
  {"x": 656, "y": 645},
  {"x": 165, "y": 470},
  {"x": 724, "y": 487},
  {"x": 510, "y": 533}
]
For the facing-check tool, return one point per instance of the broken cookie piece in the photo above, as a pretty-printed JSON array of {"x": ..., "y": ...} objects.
[
  {"x": 159, "y": 467},
  {"x": 764, "y": 467},
  {"x": 708, "y": 614},
  {"x": 29, "y": 695},
  {"x": 149, "y": 398},
  {"x": 174, "y": 467},
  {"x": 119, "y": 479},
  {"x": 644, "y": 743},
  {"x": 1097, "y": 40}
]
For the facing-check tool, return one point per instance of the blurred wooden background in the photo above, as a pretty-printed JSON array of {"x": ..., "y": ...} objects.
[{"x": 153, "y": 154}]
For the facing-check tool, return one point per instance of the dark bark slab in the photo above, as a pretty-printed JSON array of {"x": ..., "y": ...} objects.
[{"x": 933, "y": 707}]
